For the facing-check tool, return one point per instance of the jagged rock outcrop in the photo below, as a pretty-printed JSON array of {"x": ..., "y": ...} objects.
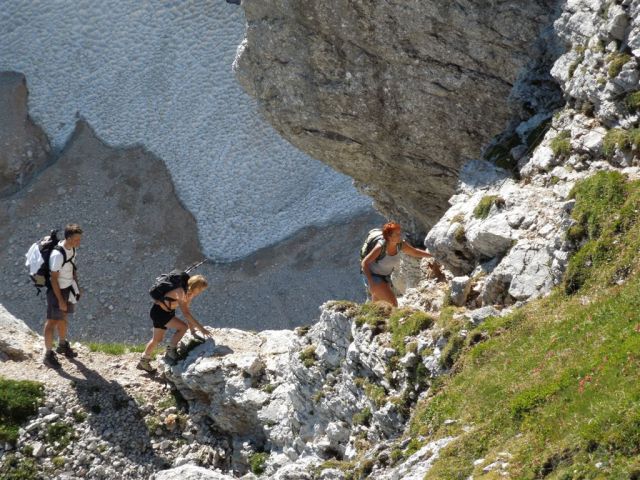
[
  {"x": 24, "y": 147},
  {"x": 320, "y": 393},
  {"x": 397, "y": 95},
  {"x": 508, "y": 234}
]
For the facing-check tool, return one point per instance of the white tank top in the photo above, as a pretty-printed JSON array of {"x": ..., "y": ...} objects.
[{"x": 386, "y": 265}]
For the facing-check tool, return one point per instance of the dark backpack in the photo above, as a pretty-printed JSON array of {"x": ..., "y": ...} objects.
[
  {"x": 166, "y": 282},
  {"x": 46, "y": 245}
]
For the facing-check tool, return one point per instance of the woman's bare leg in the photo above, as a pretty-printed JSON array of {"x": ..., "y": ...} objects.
[
  {"x": 383, "y": 292},
  {"x": 180, "y": 328},
  {"x": 158, "y": 335}
]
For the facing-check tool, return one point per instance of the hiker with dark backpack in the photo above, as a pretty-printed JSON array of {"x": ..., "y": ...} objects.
[
  {"x": 379, "y": 255},
  {"x": 170, "y": 291},
  {"x": 55, "y": 268}
]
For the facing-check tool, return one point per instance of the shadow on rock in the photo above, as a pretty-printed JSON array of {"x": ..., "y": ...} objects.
[{"x": 114, "y": 415}]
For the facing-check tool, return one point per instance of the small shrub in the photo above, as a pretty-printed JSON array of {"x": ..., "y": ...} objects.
[
  {"x": 459, "y": 218},
  {"x": 343, "y": 306},
  {"x": 79, "y": 416},
  {"x": 14, "y": 468},
  {"x": 167, "y": 401},
  {"x": 376, "y": 393},
  {"x": 413, "y": 446},
  {"x": 257, "y": 461},
  {"x": 365, "y": 468},
  {"x": 363, "y": 417},
  {"x": 303, "y": 330},
  {"x": 308, "y": 356},
  {"x": 561, "y": 144},
  {"x": 615, "y": 139},
  {"x": 395, "y": 456},
  {"x": 616, "y": 62},
  {"x": 96, "y": 408},
  {"x": 484, "y": 205},
  {"x": 575, "y": 233},
  {"x": 406, "y": 323},
  {"x": 633, "y": 101},
  {"x": 269, "y": 388},
  {"x": 634, "y": 138},
  {"x": 529, "y": 399},
  {"x": 19, "y": 400},
  {"x": 58, "y": 462},
  {"x": 375, "y": 315},
  {"x": 460, "y": 235},
  {"x": 61, "y": 433},
  {"x": 451, "y": 351}
]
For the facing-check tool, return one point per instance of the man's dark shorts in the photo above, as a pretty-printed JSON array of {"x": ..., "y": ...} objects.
[
  {"x": 161, "y": 317},
  {"x": 53, "y": 309}
]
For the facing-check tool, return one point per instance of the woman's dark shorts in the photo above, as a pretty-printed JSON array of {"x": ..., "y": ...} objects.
[
  {"x": 161, "y": 317},
  {"x": 53, "y": 309},
  {"x": 377, "y": 279}
]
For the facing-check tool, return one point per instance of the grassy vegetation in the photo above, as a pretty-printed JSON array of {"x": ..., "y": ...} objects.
[
  {"x": 576, "y": 63},
  {"x": 633, "y": 101},
  {"x": 561, "y": 144},
  {"x": 115, "y": 348},
  {"x": 484, "y": 205},
  {"x": 616, "y": 62},
  {"x": 14, "y": 468},
  {"x": 59, "y": 434},
  {"x": 555, "y": 383},
  {"x": 308, "y": 356},
  {"x": 616, "y": 138},
  {"x": 363, "y": 417},
  {"x": 405, "y": 323},
  {"x": 257, "y": 461},
  {"x": 18, "y": 401}
]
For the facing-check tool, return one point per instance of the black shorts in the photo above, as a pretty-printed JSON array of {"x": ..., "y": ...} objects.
[
  {"x": 161, "y": 317},
  {"x": 53, "y": 309}
]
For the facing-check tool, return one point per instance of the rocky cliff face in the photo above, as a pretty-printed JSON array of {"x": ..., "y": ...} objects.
[
  {"x": 24, "y": 147},
  {"x": 398, "y": 95}
]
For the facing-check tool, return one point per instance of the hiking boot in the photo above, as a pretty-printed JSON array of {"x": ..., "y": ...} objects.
[
  {"x": 65, "y": 349},
  {"x": 51, "y": 360},
  {"x": 171, "y": 355},
  {"x": 145, "y": 364}
]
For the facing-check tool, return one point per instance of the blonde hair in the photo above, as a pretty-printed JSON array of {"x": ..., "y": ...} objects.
[{"x": 197, "y": 281}]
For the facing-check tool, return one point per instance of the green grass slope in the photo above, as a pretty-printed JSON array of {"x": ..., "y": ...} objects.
[{"x": 556, "y": 383}]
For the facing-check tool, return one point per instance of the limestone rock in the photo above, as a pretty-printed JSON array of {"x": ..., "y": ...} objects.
[
  {"x": 24, "y": 147},
  {"x": 389, "y": 92},
  {"x": 17, "y": 340},
  {"x": 191, "y": 472}
]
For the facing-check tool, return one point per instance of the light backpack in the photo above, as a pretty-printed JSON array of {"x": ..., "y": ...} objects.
[
  {"x": 373, "y": 237},
  {"x": 38, "y": 260}
]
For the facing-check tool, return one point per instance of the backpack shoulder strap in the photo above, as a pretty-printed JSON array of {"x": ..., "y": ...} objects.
[
  {"x": 383, "y": 250},
  {"x": 60, "y": 249}
]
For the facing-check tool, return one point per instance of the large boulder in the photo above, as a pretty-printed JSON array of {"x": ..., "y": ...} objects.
[{"x": 398, "y": 95}]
